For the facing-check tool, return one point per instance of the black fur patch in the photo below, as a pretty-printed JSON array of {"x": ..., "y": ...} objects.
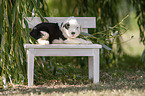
[
  {"x": 66, "y": 25},
  {"x": 51, "y": 28}
]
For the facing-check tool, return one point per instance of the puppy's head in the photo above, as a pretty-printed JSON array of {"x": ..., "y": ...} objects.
[{"x": 70, "y": 28}]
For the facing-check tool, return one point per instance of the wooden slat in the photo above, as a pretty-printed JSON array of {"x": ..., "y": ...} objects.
[
  {"x": 85, "y": 22},
  {"x": 62, "y": 46},
  {"x": 63, "y": 52}
]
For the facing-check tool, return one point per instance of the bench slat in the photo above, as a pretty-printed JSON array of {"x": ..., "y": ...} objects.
[
  {"x": 85, "y": 22},
  {"x": 64, "y": 46}
]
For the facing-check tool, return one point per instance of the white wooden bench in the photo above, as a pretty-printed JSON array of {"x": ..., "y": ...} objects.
[{"x": 92, "y": 51}]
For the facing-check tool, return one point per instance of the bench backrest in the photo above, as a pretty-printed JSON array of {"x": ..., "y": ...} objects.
[{"x": 85, "y": 22}]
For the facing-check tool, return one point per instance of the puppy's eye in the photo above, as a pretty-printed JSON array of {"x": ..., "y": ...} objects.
[
  {"x": 77, "y": 27},
  {"x": 66, "y": 25}
]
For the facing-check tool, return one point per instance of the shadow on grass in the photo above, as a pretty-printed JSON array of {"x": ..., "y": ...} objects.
[{"x": 115, "y": 80}]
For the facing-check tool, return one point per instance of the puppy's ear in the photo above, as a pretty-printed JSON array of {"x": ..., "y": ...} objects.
[{"x": 61, "y": 24}]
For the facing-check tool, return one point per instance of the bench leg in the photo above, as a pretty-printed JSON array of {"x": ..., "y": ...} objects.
[
  {"x": 90, "y": 67},
  {"x": 94, "y": 66},
  {"x": 30, "y": 66}
]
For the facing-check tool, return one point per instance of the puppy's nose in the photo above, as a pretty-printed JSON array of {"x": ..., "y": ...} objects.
[{"x": 72, "y": 33}]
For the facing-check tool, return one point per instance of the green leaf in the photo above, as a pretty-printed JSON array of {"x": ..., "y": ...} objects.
[
  {"x": 132, "y": 37},
  {"x": 143, "y": 54},
  {"x": 14, "y": 13},
  {"x": 143, "y": 57},
  {"x": 6, "y": 17},
  {"x": 116, "y": 32}
]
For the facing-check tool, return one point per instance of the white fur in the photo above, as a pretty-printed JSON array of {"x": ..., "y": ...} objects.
[
  {"x": 44, "y": 39},
  {"x": 43, "y": 42},
  {"x": 45, "y": 35},
  {"x": 58, "y": 41}
]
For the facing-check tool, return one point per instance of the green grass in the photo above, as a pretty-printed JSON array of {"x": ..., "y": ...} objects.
[{"x": 112, "y": 83}]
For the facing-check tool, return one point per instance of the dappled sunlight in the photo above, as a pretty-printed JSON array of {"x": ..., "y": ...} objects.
[{"x": 132, "y": 47}]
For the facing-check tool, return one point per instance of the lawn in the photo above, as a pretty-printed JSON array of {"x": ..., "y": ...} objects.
[{"x": 113, "y": 83}]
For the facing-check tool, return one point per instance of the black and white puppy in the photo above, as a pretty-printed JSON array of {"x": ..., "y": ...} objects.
[
  {"x": 50, "y": 33},
  {"x": 47, "y": 33}
]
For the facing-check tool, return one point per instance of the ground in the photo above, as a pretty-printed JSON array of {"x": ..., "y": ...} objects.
[{"x": 113, "y": 83}]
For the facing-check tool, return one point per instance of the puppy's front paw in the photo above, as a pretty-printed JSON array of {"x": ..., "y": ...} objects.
[
  {"x": 43, "y": 42},
  {"x": 58, "y": 41},
  {"x": 84, "y": 41},
  {"x": 72, "y": 41}
]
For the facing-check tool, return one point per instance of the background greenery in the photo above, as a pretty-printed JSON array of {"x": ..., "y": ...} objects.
[{"x": 109, "y": 31}]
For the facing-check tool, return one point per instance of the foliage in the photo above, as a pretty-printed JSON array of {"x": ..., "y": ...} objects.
[
  {"x": 13, "y": 36},
  {"x": 107, "y": 13},
  {"x": 140, "y": 14},
  {"x": 64, "y": 73},
  {"x": 106, "y": 26}
]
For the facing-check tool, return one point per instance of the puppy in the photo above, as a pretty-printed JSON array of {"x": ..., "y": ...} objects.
[
  {"x": 50, "y": 33},
  {"x": 47, "y": 33}
]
